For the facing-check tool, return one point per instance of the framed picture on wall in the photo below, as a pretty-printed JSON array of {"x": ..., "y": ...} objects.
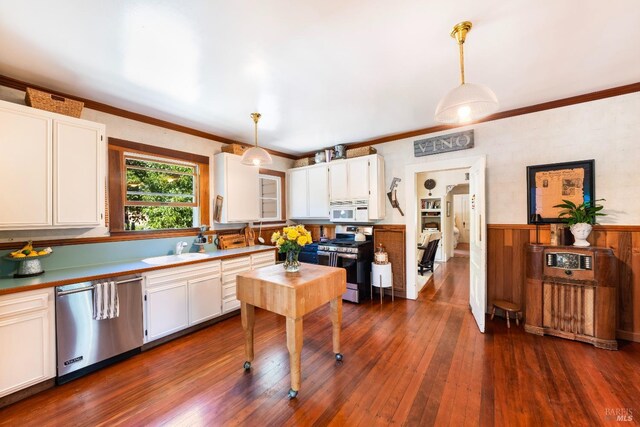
[{"x": 548, "y": 185}]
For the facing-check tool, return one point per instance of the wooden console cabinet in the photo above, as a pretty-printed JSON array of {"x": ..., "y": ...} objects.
[{"x": 571, "y": 293}]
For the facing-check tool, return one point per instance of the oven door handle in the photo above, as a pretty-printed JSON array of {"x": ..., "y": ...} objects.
[{"x": 339, "y": 254}]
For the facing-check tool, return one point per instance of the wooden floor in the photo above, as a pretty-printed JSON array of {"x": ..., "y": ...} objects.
[{"x": 411, "y": 362}]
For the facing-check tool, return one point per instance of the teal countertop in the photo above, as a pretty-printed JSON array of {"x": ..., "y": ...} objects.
[{"x": 100, "y": 271}]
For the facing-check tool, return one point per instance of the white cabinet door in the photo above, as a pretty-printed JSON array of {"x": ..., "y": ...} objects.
[
  {"x": 318, "y": 192},
  {"x": 338, "y": 181},
  {"x": 205, "y": 299},
  {"x": 298, "y": 194},
  {"x": 78, "y": 171},
  {"x": 27, "y": 337},
  {"x": 25, "y": 168},
  {"x": 239, "y": 186},
  {"x": 167, "y": 310},
  {"x": 358, "y": 178}
]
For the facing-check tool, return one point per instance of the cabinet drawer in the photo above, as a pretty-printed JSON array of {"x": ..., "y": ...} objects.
[
  {"x": 236, "y": 265},
  {"x": 263, "y": 258},
  {"x": 229, "y": 291},
  {"x": 230, "y": 305},
  {"x": 24, "y": 302},
  {"x": 159, "y": 278}
]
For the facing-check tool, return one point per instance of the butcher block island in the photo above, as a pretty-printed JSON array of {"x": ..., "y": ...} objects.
[{"x": 291, "y": 295}]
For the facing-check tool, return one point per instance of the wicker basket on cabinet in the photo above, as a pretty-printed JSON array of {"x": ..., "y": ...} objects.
[{"x": 54, "y": 103}]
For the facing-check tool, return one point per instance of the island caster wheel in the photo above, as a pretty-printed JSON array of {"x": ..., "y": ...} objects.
[
  {"x": 293, "y": 393},
  {"x": 339, "y": 357},
  {"x": 247, "y": 366}
]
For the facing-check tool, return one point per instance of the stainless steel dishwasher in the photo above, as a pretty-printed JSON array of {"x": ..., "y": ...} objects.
[{"x": 85, "y": 344}]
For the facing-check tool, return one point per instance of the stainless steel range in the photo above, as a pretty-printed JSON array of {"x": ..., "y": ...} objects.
[{"x": 352, "y": 249}]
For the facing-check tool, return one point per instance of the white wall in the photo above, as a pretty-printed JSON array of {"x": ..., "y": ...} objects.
[
  {"x": 131, "y": 130},
  {"x": 607, "y": 130}
]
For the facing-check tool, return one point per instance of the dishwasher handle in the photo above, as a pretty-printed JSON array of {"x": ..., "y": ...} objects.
[{"x": 89, "y": 288}]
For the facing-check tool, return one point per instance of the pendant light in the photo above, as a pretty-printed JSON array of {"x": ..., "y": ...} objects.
[
  {"x": 467, "y": 102},
  {"x": 256, "y": 156}
]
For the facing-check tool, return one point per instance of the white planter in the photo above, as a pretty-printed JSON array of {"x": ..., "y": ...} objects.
[{"x": 580, "y": 233}]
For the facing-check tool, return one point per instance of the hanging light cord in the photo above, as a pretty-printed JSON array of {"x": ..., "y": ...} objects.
[{"x": 256, "y": 117}]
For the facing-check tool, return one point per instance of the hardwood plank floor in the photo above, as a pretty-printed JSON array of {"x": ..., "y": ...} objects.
[{"x": 408, "y": 363}]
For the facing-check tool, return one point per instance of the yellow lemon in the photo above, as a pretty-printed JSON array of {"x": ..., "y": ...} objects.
[
  {"x": 43, "y": 253},
  {"x": 33, "y": 253},
  {"x": 19, "y": 256}
]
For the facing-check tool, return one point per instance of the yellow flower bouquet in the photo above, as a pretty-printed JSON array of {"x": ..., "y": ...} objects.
[{"x": 290, "y": 241}]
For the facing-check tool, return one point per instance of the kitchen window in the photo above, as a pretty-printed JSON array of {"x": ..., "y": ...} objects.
[
  {"x": 156, "y": 189},
  {"x": 161, "y": 194},
  {"x": 272, "y": 203}
]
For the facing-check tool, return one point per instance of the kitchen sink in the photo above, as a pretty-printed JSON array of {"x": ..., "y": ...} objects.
[{"x": 171, "y": 259}]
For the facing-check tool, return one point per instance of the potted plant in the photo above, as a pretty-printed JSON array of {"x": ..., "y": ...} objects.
[
  {"x": 291, "y": 241},
  {"x": 580, "y": 218}
]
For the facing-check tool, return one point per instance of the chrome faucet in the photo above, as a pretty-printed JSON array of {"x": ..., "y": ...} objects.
[{"x": 180, "y": 246}]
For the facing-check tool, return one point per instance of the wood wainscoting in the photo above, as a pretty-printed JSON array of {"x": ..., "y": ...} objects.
[
  {"x": 392, "y": 237},
  {"x": 506, "y": 265}
]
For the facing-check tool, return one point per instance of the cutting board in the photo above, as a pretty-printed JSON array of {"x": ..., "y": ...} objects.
[
  {"x": 249, "y": 236},
  {"x": 232, "y": 241}
]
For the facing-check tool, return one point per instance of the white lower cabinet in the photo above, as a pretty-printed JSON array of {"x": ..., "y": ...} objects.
[
  {"x": 179, "y": 297},
  {"x": 176, "y": 298},
  {"x": 27, "y": 340},
  {"x": 167, "y": 310},
  {"x": 205, "y": 298}
]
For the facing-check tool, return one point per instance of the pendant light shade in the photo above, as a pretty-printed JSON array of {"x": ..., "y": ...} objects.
[
  {"x": 256, "y": 156},
  {"x": 467, "y": 102}
]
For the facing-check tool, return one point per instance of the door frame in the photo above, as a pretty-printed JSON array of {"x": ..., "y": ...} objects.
[{"x": 411, "y": 209}]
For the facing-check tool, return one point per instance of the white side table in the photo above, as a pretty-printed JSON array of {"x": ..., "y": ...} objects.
[{"x": 381, "y": 278}]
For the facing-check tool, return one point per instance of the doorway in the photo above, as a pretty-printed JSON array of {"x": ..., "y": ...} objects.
[{"x": 477, "y": 228}]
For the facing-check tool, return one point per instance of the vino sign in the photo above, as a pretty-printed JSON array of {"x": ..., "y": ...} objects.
[{"x": 443, "y": 144}]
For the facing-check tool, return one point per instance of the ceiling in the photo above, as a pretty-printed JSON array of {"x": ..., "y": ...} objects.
[{"x": 322, "y": 72}]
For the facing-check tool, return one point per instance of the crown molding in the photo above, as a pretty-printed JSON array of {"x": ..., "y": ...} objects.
[{"x": 109, "y": 109}]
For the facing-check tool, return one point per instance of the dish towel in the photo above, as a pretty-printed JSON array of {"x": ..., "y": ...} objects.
[{"x": 105, "y": 301}]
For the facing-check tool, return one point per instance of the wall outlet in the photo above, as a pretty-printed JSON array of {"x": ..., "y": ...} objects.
[{"x": 209, "y": 239}]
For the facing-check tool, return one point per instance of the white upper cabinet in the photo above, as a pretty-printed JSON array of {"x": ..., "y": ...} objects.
[
  {"x": 318, "y": 190},
  {"x": 56, "y": 169},
  {"x": 308, "y": 192},
  {"x": 312, "y": 188},
  {"x": 25, "y": 168},
  {"x": 349, "y": 179},
  {"x": 298, "y": 198},
  {"x": 239, "y": 187},
  {"x": 338, "y": 181},
  {"x": 358, "y": 178},
  {"x": 78, "y": 166}
]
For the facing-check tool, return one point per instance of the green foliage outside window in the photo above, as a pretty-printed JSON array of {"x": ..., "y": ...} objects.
[{"x": 160, "y": 195}]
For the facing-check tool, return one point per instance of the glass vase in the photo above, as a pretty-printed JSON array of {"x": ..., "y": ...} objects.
[{"x": 291, "y": 263}]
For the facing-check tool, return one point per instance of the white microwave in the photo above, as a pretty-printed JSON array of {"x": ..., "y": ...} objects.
[{"x": 349, "y": 213}]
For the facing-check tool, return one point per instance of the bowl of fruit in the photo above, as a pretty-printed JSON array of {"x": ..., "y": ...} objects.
[{"x": 28, "y": 259}]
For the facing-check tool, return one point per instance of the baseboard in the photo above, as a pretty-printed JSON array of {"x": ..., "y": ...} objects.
[
  {"x": 26, "y": 392},
  {"x": 628, "y": 336}
]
